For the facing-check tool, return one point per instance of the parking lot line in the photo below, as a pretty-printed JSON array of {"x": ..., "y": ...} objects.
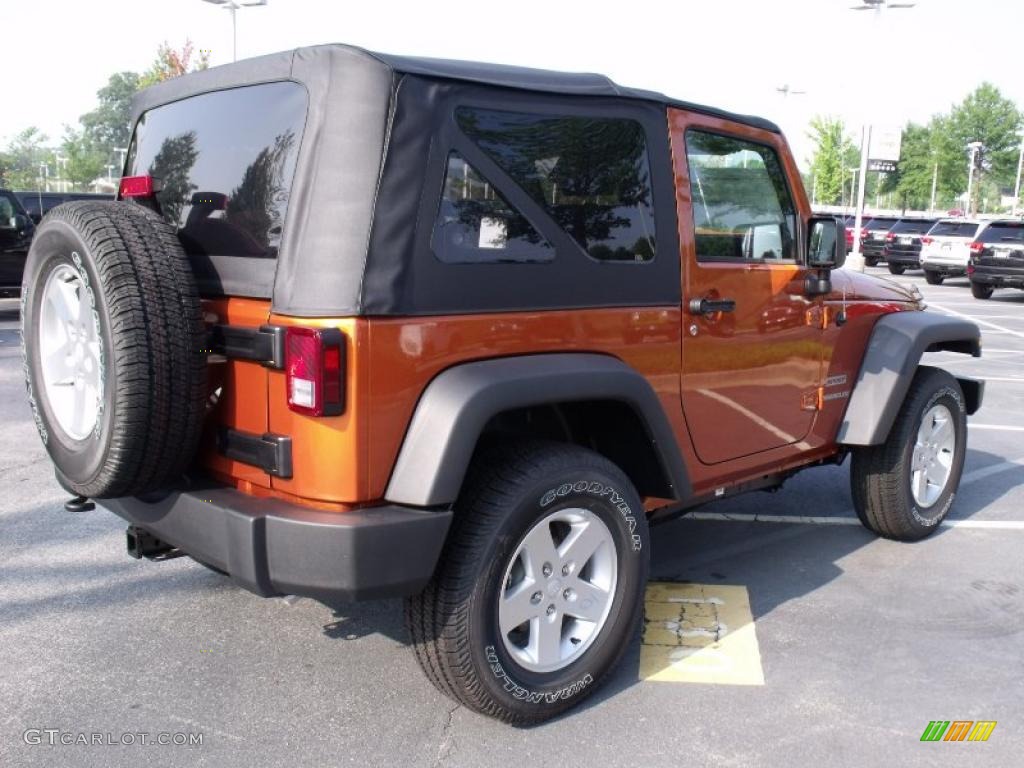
[
  {"x": 997, "y": 427},
  {"x": 1002, "y": 525},
  {"x": 699, "y": 633},
  {"x": 995, "y": 327}
]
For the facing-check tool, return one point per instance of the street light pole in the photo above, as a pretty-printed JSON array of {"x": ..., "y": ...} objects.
[
  {"x": 935, "y": 183},
  {"x": 232, "y": 7},
  {"x": 974, "y": 146},
  {"x": 1020, "y": 165},
  {"x": 857, "y": 262}
]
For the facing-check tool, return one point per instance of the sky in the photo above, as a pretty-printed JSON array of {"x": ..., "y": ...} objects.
[{"x": 885, "y": 68}]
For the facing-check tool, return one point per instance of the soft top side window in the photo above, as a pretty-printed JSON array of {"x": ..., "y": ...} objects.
[
  {"x": 591, "y": 175},
  {"x": 476, "y": 225},
  {"x": 741, "y": 204}
]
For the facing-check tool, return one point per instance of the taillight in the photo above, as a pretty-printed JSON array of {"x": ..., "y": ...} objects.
[
  {"x": 864, "y": 234},
  {"x": 314, "y": 365},
  {"x": 890, "y": 237},
  {"x": 849, "y": 236},
  {"x": 136, "y": 186},
  {"x": 927, "y": 240},
  {"x": 970, "y": 268},
  {"x": 977, "y": 248}
]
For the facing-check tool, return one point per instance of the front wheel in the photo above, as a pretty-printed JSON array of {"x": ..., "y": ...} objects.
[
  {"x": 903, "y": 488},
  {"x": 980, "y": 291},
  {"x": 933, "y": 278},
  {"x": 540, "y": 587}
]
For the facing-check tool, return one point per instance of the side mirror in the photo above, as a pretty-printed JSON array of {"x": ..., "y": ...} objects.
[
  {"x": 36, "y": 217},
  {"x": 21, "y": 221},
  {"x": 826, "y": 243}
]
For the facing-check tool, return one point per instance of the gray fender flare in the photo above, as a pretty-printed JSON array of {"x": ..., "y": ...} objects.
[
  {"x": 893, "y": 355},
  {"x": 456, "y": 406}
]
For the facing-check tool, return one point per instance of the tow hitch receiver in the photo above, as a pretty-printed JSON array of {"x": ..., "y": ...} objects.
[{"x": 143, "y": 544}]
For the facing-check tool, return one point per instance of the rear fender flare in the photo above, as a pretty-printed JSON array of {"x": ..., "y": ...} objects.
[{"x": 456, "y": 406}]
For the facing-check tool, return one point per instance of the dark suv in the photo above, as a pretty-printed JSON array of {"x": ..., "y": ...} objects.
[
  {"x": 997, "y": 258},
  {"x": 38, "y": 204},
  {"x": 872, "y": 239},
  {"x": 902, "y": 250},
  {"x": 16, "y": 230}
]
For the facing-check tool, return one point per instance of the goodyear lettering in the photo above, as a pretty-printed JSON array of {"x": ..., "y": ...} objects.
[{"x": 533, "y": 697}]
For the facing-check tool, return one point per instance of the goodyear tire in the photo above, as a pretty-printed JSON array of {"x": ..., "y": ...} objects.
[
  {"x": 540, "y": 588},
  {"x": 112, "y": 338},
  {"x": 903, "y": 488}
]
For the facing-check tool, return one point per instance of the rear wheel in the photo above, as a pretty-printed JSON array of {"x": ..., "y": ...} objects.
[
  {"x": 113, "y": 348},
  {"x": 540, "y": 586},
  {"x": 871, "y": 261},
  {"x": 903, "y": 488},
  {"x": 933, "y": 278},
  {"x": 897, "y": 269},
  {"x": 980, "y": 291}
]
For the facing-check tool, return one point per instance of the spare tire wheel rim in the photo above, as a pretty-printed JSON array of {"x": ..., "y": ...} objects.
[
  {"x": 70, "y": 355},
  {"x": 558, "y": 590},
  {"x": 932, "y": 459}
]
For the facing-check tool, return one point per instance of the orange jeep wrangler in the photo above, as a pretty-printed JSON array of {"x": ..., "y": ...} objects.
[{"x": 365, "y": 326}]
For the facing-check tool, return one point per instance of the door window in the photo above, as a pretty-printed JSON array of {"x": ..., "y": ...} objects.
[{"x": 742, "y": 209}]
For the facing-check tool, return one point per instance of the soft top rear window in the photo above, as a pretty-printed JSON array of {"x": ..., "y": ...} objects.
[
  {"x": 954, "y": 229},
  {"x": 912, "y": 226},
  {"x": 223, "y": 163},
  {"x": 1004, "y": 232}
]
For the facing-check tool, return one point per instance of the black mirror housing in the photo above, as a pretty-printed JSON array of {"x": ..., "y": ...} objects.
[{"x": 826, "y": 242}]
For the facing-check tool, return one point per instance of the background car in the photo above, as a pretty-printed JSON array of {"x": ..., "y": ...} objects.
[
  {"x": 38, "y": 204},
  {"x": 872, "y": 238},
  {"x": 16, "y": 231},
  {"x": 997, "y": 258},
  {"x": 902, "y": 249},
  {"x": 946, "y": 249}
]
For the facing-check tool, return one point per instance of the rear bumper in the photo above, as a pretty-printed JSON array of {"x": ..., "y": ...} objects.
[
  {"x": 272, "y": 547},
  {"x": 1011, "y": 277},
  {"x": 903, "y": 258}
]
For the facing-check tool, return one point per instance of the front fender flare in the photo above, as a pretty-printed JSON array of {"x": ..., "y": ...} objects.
[
  {"x": 456, "y": 406},
  {"x": 893, "y": 354}
]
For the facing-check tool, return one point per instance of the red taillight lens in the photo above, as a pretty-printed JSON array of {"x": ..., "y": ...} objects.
[
  {"x": 849, "y": 236},
  {"x": 977, "y": 247},
  {"x": 136, "y": 186},
  {"x": 926, "y": 240},
  {"x": 890, "y": 237},
  {"x": 970, "y": 269},
  {"x": 314, "y": 365},
  {"x": 864, "y": 234}
]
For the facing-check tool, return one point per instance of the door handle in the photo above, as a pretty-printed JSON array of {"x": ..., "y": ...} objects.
[{"x": 711, "y": 306}]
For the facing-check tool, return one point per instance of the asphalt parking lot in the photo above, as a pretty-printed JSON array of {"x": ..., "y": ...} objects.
[{"x": 860, "y": 642}]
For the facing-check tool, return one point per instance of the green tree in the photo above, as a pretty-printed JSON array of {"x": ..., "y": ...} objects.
[
  {"x": 834, "y": 152},
  {"x": 989, "y": 117},
  {"x": 23, "y": 157},
  {"x": 84, "y": 162},
  {"x": 107, "y": 126},
  {"x": 911, "y": 183},
  {"x": 170, "y": 63}
]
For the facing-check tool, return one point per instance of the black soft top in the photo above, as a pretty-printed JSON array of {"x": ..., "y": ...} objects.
[
  {"x": 502, "y": 75},
  {"x": 348, "y": 244}
]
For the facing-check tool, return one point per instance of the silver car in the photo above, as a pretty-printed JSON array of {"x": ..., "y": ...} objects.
[{"x": 946, "y": 248}]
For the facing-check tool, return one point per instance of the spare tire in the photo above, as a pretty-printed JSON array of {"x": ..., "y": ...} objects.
[{"x": 112, "y": 341}]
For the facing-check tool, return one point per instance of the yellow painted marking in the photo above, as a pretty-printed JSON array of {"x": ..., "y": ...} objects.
[
  {"x": 982, "y": 730},
  {"x": 699, "y": 633}
]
